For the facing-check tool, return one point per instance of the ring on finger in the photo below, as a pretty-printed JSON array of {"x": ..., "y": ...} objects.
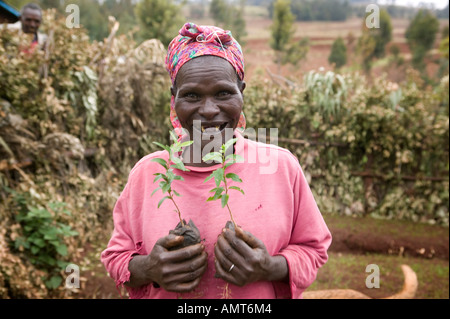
[{"x": 231, "y": 268}]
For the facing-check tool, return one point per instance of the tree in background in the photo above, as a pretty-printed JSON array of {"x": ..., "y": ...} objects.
[
  {"x": 317, "y": 10},
  {"x": 282, "y": 31},
  {"x": 230, "y": 17},
  {"x": 123, "y": 11},
  {"x": 421, "y": 35},
  {"x": 338, "y": 54},
  {"x": 382, "y": 35},
  {"x": 373, "y": 41},
  {"x": 443, "y": 51},
  {"x": 296, "y": 52},
  {"x": 159, "y": 19},
  {"x": 365, "y": 48},
  {"x": 219, "y": 11},
  {"x": 93, "y": 18}
]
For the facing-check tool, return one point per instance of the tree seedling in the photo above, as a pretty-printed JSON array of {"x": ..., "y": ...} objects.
[
  {"x": 221, "y": 178},
  {"x": 188, "y": 230}
]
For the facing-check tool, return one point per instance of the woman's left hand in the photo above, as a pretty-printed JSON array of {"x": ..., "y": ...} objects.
[{"x": 241, "y": 258}]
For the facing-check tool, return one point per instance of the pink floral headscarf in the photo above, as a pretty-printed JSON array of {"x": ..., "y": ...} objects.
[{"x": 194, "y": 41}]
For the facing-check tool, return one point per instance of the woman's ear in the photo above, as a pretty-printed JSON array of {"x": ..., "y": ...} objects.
[
  {"x": 243, "y": 85},
  {"x": 173, "y": 91}
]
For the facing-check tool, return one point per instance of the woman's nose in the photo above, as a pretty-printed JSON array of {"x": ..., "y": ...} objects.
[{"x": 209, "y": 109}]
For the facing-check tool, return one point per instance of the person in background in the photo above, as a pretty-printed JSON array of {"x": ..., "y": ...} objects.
[{"x": 29, "y": 23}]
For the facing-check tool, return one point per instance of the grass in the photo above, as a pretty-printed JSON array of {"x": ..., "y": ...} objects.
[{"x": 387, "y": 227}]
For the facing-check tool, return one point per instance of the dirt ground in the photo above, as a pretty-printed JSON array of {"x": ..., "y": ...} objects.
[{"x": 366, "y": 235}]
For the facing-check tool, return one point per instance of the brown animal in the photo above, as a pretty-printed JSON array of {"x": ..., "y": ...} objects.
[{"x": 408, "y": 291}]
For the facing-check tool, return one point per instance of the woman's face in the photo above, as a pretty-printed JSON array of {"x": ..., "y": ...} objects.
[{"x": 208, "y": 100}]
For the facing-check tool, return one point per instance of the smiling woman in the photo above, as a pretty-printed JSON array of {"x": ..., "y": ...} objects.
[{"x": 281, "y": 240}]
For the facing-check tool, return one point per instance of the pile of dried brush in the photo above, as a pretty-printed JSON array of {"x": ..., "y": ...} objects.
[{"x": 74, "y": 118}]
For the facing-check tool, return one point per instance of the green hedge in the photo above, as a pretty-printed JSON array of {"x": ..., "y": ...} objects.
[{"x": 368, "y": 147}]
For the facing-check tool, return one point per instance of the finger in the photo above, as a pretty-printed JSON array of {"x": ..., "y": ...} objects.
[
  {"x": 224, "y": 274},
  {"x": 237, "y": 243},
  {"x": 225, "y": 253},
  {"x": 238, "y": 274},
  {"x": 184, "y": 286},
  {"x": 189, "y": 276},
  {"x": 224, "y": 262},
  {"x": 183, "y": 254},
  {"x": 169, "y": 241},
  {"x": 189, "y": 265},
  {"x": 248, "y": 237}
]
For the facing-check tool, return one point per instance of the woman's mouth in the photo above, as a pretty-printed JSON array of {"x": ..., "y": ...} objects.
[{"x": 210, "y": 128}]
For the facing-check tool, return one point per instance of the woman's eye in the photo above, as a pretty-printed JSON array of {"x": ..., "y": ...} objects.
[
  {"x": 224, "y": 93},
  {"x": 191, "y": 96}
]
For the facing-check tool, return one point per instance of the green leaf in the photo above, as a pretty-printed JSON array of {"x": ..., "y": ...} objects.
[
  {"x": 217, "y": 189},
  {"x": 170, "y": 176},
  {"x": 229, "y": 143},
  {"x": 217, "y": 193},
  {"x": 187, "y": 143},
  {"x": 160, "y": 161},
  {"x": 158, "y": 177},
  {"x": 49, "y": 234},
  {"x": 164, "y": 147},
  {"x": 225, "y": 200},
  {"x": 209, "y": 177},
  {"x": 62, "y": 249},
  {"x": 234, "y": 158},
  {"x": 234, "y": 177},
  {"x": 214, "y": 197},
  {"x": 162, "y": 200},
  {"x": 179, "y": 164},
  {"x": 215, "y": 156},
  {"x": 175, "y": 148},
  {"x": 54, "y": 282},
  {"x": 39, "y": 242},
  {"x": 165, "y": 186},
  {"x": 218, "y": 176},
  {"x": 237, "y": 188},
  {"x": 39, "y": 213},
  {"x": 62, "y": 264},
  {"x": 176, "y": 193},
  {"x": 34, "y": 250},
  {"x": 174, "y": 136},
  {"x": 156, "y": 189}
]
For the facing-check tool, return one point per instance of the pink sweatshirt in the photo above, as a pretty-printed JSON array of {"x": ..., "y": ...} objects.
[{"x": 278, "y": 208}]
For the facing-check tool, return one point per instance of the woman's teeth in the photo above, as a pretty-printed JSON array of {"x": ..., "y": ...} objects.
[{"x": 214, "y": 129}]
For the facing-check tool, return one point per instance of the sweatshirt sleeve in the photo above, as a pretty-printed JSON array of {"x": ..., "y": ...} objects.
[
  {"x": 309, "y": 242},
  {"x": 121, "y": 247}
]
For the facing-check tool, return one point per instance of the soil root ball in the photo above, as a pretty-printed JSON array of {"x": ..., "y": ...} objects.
[{"x": 190, "y": 233}]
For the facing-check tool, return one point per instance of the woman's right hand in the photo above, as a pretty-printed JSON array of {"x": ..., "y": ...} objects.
[{"x": 177, "y": 270}]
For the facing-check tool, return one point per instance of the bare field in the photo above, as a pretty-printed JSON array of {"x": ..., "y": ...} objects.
[{"x": 259, "y": 55}]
